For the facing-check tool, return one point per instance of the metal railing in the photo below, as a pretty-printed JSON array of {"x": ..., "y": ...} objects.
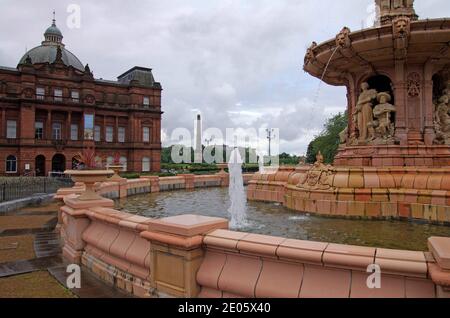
[{"x": 14, "y": 188}]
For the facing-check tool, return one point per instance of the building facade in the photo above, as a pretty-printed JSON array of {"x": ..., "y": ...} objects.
[{"x": 52, "y": 107}]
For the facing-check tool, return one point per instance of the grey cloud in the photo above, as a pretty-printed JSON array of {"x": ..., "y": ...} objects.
[{"x": 221, "y": 57}]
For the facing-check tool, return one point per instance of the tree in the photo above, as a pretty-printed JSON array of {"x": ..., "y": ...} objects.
[{"x": 328, "y": 140}]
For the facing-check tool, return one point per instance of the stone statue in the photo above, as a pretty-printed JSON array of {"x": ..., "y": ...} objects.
[
  {"x": 318, "y": 177},
  {"x": 382, "y": 128},
  {"x": 310, "y": 53},
  {"x": 442, "y": 121},
  {"x": 364, "y": 113},
  {"x": 343, "y": 136}
]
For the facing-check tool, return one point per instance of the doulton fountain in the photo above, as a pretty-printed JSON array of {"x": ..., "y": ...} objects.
[
  {"x": 393, "y": 163},
  {"x": 394, "y": 156}
]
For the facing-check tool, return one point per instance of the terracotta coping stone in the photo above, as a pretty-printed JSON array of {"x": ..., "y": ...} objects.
[
  {"x": 440, "y": 247},
  {"x": 260, "y": 244},
  {"x": 224, "y": 239},
  {"x": 302, "y": 251},
  {"x": 187, "y": 225},
  {"x": 406, "y": 263},
  {"x": 183, "y": 242},
  {"x": 348, "y": 256}
]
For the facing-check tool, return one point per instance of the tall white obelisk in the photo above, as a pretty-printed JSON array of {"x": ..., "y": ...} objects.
[{"x": 198, "y": 154}]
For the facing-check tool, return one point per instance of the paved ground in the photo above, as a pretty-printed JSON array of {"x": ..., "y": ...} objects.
[{"x": 31, "y": 264}]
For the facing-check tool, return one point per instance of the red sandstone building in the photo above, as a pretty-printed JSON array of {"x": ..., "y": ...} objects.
[{"x": 51, "y": 108}]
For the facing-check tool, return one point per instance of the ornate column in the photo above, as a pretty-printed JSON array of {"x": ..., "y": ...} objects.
[{"x": 400, "y": 103}]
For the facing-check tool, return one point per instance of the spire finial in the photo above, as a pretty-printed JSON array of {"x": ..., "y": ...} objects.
[{"x": 54, "y": 17}]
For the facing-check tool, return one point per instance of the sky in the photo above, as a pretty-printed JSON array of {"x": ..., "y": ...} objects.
[{"x": 237, "y": 62}]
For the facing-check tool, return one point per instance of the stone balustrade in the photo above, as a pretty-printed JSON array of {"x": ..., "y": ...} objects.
[{"x": 401, "y": 193}]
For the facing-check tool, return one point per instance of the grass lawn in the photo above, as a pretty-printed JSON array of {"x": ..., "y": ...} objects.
[
  {"x": 33, "y": 285},
  {"x": 16, "y": 248}
]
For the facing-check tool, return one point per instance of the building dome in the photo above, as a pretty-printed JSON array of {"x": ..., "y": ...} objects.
[
  {"x": 53, "y": 30},
  {"x": 47, "y": 52}
]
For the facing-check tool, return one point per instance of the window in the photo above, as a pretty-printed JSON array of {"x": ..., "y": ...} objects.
[
  {"x": 75, "y": 96},
  {"x": 146, "y": 102},
  {"x": 40, "y": 93},
  {"x": 123, "y": 163},
  {"x": 145, "y": 164},
  {"x": 74, "y": 132},
  {"x": 109, "y": 134},
  {"x": 109, "y": 161},
  {"x": 121, "y": 134},
  {"x": 11, "y": 129},
  {"x": 11, "y": 164},
  {"x": 58, "y": 95},
  {"x": 39, "y": 130},
  {"x": 146, "y": 134},
  {"x": 97, "y": 133},
  {"x": 56, "y": 131}
]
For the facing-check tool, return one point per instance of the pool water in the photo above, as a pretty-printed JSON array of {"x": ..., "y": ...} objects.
[{"x": 274, "y": 219}]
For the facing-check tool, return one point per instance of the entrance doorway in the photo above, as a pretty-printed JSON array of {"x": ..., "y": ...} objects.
[
  {"x": 58, "y": 163},
  {"x": 39, "y": 164}
]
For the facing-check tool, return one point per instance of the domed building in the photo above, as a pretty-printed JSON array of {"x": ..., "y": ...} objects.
[{"x": 52, "y": 107}]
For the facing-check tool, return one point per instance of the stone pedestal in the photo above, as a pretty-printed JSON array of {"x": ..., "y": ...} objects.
[
  {"x": 177, "y": 253},
  {"x": 75, "y": 221}
]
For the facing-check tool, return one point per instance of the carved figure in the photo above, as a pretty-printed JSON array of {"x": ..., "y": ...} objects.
[
  {"x": 364, "y": 113},
  {"x": 402, "y": 26},
  {"x": 318, "y": 177},
  {"x": 343, "y": 38},
  {"x": 343, "y": 136},
  {"x": 383, "y": 127},
  {"x": 310, "y": 53}
]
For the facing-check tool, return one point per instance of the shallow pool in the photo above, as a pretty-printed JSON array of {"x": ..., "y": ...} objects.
[{"x": 274, "y": 219}]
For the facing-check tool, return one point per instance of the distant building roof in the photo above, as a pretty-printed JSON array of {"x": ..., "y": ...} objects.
[{"x": 139, "y": 74}]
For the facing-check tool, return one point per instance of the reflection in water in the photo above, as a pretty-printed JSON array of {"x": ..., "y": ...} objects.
[{"x": 273, "y": 219}]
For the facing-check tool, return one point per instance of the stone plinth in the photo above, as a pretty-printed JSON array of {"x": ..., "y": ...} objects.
[
  {"x": 75, "y": 222},
  {"x": 177, "y": 251}
]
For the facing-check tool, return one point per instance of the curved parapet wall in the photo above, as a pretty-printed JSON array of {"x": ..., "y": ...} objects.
[
  {"x": 402, "y": 193},
  {"x": 196, "y": 256},
  {"x": 249, "y": 265}
]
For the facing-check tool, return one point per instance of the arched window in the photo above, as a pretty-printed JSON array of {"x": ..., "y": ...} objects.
[
  {"x": 145, "y": 164},
  {"x": 11, "y": 164},
  {"x": 123, "y": 162}
]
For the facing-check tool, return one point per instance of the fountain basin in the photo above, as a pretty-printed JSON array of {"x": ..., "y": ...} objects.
[{"x": 376, "y": 193}]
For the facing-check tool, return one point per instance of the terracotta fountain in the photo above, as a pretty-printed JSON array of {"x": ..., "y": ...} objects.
[{"x": 394, "y": 156}]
